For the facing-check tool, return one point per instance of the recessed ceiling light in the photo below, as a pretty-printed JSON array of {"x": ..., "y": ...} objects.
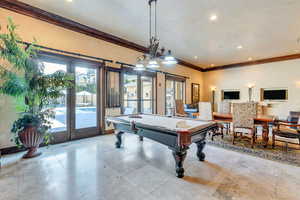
[
  {"x": 250, "y": 58},
  {"x": 195, "y": 57},
  {"x": 69, "y": 0},
  {"x": 239, "y": 47},
  {"x": 213, "y": 17}
]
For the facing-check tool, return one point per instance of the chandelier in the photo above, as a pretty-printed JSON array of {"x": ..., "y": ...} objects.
[{"x": 155, "y": 56}]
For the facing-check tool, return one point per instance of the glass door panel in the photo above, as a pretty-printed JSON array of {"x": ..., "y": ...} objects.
[
  {"x": 147, "y": 94},
  {"x": 59, "y": 106},
  {"x": 174, "y": 91},
  {"x": 86, "y": 97},
  {"x": 178, "y": 90},
  {"x": 130, "y": 94},
  {"x": 170, "y": 93}
]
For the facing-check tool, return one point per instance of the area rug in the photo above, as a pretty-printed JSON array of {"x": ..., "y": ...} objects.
[{"x": 281, "y": 153}]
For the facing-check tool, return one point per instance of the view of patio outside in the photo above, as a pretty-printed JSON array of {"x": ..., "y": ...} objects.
[
  {"x": 59, "y": 123},
  {"x": 86, "y": 98}
]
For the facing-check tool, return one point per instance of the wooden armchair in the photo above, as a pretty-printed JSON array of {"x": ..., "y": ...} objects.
[
  {"x": 179, "y": 108},
  {"x": 243, "y": 120},
  {"x": 287, "y": 132}
]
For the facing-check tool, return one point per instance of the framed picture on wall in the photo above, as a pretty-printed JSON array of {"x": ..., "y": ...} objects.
[{"x": 195, "y": 93}]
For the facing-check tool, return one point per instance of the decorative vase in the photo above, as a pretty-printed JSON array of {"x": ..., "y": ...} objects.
[{"x": 31, "y": 138}]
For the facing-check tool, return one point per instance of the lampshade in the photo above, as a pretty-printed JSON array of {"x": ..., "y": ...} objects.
[
  {"x": 139, "y": 67},
  {"x": 153, "y": 64},
  {"x": 169, "y": 59}
]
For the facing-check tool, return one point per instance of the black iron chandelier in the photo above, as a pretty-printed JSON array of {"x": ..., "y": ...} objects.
[{"x": 155, "y": 56}]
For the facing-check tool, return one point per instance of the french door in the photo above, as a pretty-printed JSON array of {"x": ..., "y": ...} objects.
[
  {"x": 77, "y": 112},
  {"x": 175, "y": 90},
  {"x": 138, "y": 94},
  {"x": 85, "y": 110}
]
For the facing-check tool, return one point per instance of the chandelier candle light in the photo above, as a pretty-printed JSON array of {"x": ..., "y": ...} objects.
[{"x": 155, "y": 56}]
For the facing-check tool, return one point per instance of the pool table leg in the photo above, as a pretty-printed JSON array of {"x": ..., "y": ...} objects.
[
  {"x": 179, "y": 157},
  {"x": 200, "y": 147},
  {"x": 119, "y": 139},
  {"x": 141, "y": 138}
]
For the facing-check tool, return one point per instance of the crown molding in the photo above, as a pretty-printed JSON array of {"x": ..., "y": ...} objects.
[
  {"x": 37, "y": 13},
  {"x": 254, "y": 62}
]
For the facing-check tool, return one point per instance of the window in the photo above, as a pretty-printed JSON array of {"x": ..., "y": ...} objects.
[
  {"x": 230, "y": 94},
  {"x": 130, "y": 94},
  {"x": 146, "y": 94},
  {"x": 113, "y": 89},
  {"x": 138, "y": 93},
  {"x": 274, "y": 94},
  {"x": 175, "y": 90}
]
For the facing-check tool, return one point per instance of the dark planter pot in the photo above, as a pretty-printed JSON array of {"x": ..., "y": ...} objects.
[{"x": 31, "y": 138}]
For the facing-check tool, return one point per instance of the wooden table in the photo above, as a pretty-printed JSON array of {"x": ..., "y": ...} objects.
[{"x": 264, "y": 120}]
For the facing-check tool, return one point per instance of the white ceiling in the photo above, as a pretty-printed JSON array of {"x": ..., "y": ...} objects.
[{"x": 265, "y": 28}]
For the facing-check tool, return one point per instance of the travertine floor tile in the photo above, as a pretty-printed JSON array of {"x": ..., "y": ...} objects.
[{"x": 93, "y": 169}]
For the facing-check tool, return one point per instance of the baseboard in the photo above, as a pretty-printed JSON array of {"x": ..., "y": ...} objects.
[{"x": 15, "y": 149}]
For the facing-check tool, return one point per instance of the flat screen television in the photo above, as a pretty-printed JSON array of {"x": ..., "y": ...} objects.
[
  {"x": 231, "y": 95},
  {"x": 274, "y": 94}
]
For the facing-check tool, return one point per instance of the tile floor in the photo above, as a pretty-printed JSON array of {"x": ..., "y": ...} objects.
[{"x": 93, "y": 169}]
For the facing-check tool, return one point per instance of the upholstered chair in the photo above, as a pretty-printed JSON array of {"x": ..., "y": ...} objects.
[
  {"x": 243, "y": 120},
  {"x": 205, "y": 113},
  {"x": 287, "y": 132},
  {"x": 224, "y": 107},
  {"x": 179, "y": 108}
]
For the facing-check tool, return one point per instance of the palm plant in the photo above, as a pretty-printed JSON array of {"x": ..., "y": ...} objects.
[{"x": 22, "y": 77}]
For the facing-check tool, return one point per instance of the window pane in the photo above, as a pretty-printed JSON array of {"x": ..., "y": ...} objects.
[
  {"x": 179, "y": 90},
  {"x": 113, "y": 89},
  {"x": 169, "y": 96},
  {"x": 147, "y": 107},
  {"x": 130, "y": 107},
  {"x": 86, "y": 97},
  {"x": 130, "y": 87},
  {"x": 146, "y": 87},
  {"x": 59, "y": 105}
]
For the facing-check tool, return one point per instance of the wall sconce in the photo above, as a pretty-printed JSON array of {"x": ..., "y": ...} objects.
[
  {"x": 250, "y": 91},
  {"x": 213, "y": 92}
]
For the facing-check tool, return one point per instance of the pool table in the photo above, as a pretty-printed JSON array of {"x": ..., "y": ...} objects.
[{"x": 175, "y": 132}]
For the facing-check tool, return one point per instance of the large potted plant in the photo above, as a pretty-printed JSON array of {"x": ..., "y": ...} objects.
[{"x": 22, "y": 78}]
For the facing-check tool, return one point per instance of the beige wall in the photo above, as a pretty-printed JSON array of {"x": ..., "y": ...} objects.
[
  {"x": 56, "y": 37},
  {"x": 285, "y": 74}
]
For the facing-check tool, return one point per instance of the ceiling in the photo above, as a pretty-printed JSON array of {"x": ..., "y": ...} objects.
[{"x": 264, "y": 28}]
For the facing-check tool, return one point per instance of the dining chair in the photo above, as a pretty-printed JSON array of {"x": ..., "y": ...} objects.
[
  {"x": 224, "y": 107},
  {"x": 206, "y": 114},
  {"x": 243, "y": 120},
  {"x": 179, "y": 108},
  {"x": 287, "y": 132}
]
